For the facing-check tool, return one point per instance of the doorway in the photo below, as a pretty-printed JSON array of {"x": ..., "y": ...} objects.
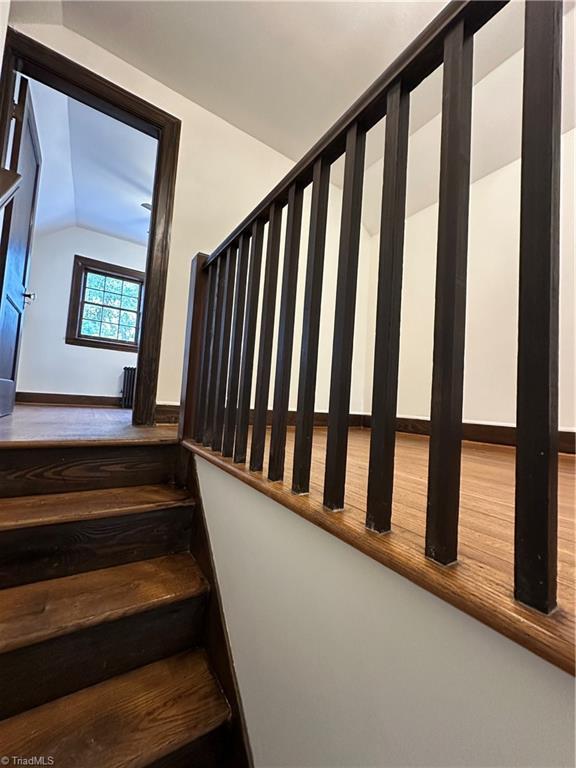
[{"x": 93, "y": 279}]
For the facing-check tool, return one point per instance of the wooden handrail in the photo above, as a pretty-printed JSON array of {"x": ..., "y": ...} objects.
[
  {"x": 221, "y": 380},
  {"x": 9, "y": 184}
]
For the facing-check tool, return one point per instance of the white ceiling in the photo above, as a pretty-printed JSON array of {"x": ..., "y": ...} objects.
[
  {"x": 285, "y": 71},
  {"x": 96, "y": 171}
]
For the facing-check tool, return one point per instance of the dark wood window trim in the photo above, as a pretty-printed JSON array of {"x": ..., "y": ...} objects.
[
  {"x": 82, "y": 265},
  {"x": 32, "y": 59}
]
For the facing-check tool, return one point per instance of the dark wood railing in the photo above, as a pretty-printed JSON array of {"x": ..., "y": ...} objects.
[
  {"x": 224, "y": 299},
  {"x": 9, "y": 184}
]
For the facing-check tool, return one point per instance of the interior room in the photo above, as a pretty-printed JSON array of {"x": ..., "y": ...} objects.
[
  {"x": 337, "y": 528},
  {"x": 93, "y": 213}
]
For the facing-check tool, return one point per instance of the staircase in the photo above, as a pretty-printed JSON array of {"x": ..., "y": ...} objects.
[{"x": 111, "y": 638}]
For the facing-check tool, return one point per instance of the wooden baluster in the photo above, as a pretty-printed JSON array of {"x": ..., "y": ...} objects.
[
  {"x": 311, "y": 328},
  {"x": 536, "y": 554},
  {"x": 249, "y": 334},
  {"x": 266, "y": 338},
  {"x": 194, "y": 342},
  {"x": 213, "y": 368},
  {"x": 340, "y": 382},
  {"x": 207, "y": 347},
  {"x": 223, "y": 347},
  {"x": 236, "y": 346},
  {"x": 285, "y": 335},
  {"x": 387, "y": 343},
  {"x": 450, "y": 307}
]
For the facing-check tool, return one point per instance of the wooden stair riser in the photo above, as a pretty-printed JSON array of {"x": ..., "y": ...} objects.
[
  {"x": 213, "y": 750},
  {"x": 45, "y": 552},
  {"x": 136, "y": 719},
  {"x": 36, "y": 674},
  {"x": 29, "y": 471}
]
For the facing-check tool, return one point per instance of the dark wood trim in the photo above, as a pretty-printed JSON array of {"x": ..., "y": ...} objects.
[
  {"x": 450, "y": 301},
  {"x": 267, "y": 315},
  {"x": 166, "y": 414},
  {"x": 50, "y": 398},
  {"x": 163, "y": 414},
  {"x": 223, "y": 348},
  {"x": 248, "y": 335},
  {"x": 413, "y": 65},
  {"x": 387, "y": 338},
  {"x": 479, "y": 433},
  {"x": 536, "y": 521},
  {"x": 236, "y": 347},
  {"x": 25, "y": 55},
  {"x": 81, "y": 265},
  {"x": 156, "y": 274},
  {"x": 211, "y": 342},
  {"x": 311, "y": 327},
  {"x": 191, "y": 371},
  {"x": 206, "y": 344},
  {"x": 9, "y": 184},
  {"x": 344, "y": 318},
  {"x": 285, "y": 334}
]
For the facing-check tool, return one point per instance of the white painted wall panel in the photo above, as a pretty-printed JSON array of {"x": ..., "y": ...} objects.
[
  {"x": 47, "y": 363},
  {"x": 344, "y": 664}
]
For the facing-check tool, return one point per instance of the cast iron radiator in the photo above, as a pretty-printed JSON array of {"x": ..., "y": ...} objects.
[{"x": 128, "y": 387}]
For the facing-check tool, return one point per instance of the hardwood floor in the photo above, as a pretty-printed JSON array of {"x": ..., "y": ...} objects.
[
  {"x": 481, "y": 582},
  {"x": 43, "y": 425}
]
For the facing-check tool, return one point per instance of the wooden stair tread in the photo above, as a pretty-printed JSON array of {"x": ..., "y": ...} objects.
[
  {"x": 46, "y": 509},
  {"x": 129, "y": 720},
  {"x": 36, "y": 612}
]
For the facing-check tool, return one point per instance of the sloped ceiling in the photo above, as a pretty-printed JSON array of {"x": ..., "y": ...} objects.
[{"x": 96, "y": 171}]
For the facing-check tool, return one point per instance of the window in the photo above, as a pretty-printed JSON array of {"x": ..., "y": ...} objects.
[{"x": 105, "y": 305}]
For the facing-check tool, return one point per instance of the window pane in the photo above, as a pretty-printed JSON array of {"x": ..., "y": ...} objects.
[
  {"x": 96, "y": 297},
  {"x": 109, "y": 331},
  {"x": 114, "y": 284},
  {"x": 112, "y": 299},
  {"x": 131, "y": 289},
  {"x": 90, "y": 328},
  {"x": 129, "y": 303},
  {"x": 92, "y": 312},
  {"x": 126, "y": 334},
  {"x": 110, "y": 315},
  {"x": 94, "y": 280},
  {"x": 128, "y": 318}
]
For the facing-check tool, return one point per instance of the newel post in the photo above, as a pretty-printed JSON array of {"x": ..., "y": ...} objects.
[{"x": 193, "y": 346}]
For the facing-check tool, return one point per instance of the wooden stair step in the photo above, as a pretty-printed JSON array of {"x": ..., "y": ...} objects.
[
  {"x": 131, "y": 720},
  {"x": 47, "y": 509},
  {"x": 62, "y": 468},
  {"x": 37, "y": 612},
  {"x": 51, "y": 536}
]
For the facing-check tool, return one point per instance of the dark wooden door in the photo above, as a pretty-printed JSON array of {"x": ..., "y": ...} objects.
[{"x": 15, "y": 242}]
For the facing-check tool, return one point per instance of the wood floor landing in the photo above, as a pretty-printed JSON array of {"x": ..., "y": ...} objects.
[
  {"x": 481, "y": 582},
  {"x": 33, "y": 426}
]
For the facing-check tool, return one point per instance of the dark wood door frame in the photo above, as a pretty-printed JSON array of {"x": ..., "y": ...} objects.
[{"x": 27, "y": 56}]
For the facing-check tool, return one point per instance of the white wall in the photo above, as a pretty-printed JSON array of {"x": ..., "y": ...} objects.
[
  {"x": 47, "y": 363},
  {"x": 222, "y": 174},
  {"x": 344, "y": 664},
  {"x": 4, "y": 13},
  {"x": 492, "y": 301}
]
